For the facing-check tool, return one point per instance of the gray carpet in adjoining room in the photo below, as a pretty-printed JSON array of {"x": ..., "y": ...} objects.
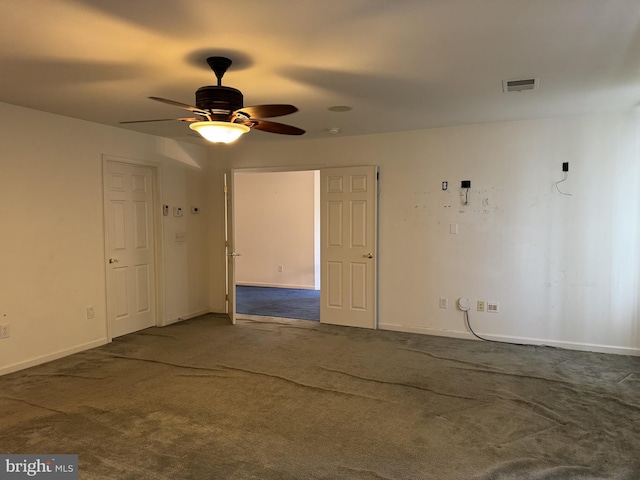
[
  {"x": 291, "y": 400},
  {"x": 299, "y": 304}
]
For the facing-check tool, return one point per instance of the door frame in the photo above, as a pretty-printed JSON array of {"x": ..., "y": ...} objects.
[
  {"x": 303, "y": 168},
  {"x": 300, "y": 168},
  {"x": 229, "y": 246},
  {"x": 156, "y": 170}
]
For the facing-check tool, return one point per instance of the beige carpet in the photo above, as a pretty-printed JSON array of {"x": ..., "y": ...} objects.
[{"x": 300, "y": 400}]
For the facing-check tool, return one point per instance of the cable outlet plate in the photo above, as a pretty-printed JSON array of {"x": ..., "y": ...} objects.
[{"x": 5, "y": 331}]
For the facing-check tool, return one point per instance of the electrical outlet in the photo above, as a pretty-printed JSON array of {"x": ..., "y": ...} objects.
[
  {"x": 493, "y": 307},
  {"x": 280, "y": 268},
  {"x": 480, "y": 305},
  {"x": 444, "y": 303},
  {"x": 90, "y": 313},
  {"x": 5, "y": 331}
]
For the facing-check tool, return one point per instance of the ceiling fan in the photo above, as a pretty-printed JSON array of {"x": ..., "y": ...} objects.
[{"x": 220, "y": 115}]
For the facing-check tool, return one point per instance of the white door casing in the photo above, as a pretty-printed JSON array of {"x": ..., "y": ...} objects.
[
  {"x": 129, "y": 230},
  {"x": 348, "y": 252},
  {"x": 229, "y": 245}
]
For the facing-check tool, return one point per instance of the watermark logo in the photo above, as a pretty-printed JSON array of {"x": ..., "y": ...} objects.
[{"x": 49, "y": 467}]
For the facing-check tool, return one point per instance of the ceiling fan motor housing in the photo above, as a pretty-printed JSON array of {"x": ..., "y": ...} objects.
[{"x": 219, "y": 98}]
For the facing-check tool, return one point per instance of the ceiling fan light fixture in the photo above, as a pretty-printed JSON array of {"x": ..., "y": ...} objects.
[{"x": 219, "y": 132}]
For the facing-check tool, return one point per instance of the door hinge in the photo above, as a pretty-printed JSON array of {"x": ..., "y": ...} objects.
[
  {"x": 226, "y": 244},
  {"x": 226, "y": 298},
  {"x": 226, "y": 190}
]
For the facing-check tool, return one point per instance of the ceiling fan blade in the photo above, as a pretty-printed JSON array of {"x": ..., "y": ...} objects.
[
  {"x": 191, "y": 108},
  {"x": 274, "y": 127},
  {"x": 164, "y": 120},
  {"x": 266, "y": 111}
]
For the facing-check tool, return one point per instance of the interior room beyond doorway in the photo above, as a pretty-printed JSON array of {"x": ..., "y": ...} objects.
[{"x": 277, "y": 232}]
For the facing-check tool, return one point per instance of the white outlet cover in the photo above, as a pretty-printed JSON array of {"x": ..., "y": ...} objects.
[{"x": 493, "y": 307}]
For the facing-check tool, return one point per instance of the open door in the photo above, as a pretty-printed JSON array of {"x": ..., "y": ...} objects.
[
  {"x": 348, "y": 231},
  {"x": 229, "y": 244}
]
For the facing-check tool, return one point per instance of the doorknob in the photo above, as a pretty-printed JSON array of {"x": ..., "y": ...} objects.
[
  {"x": 368, "y": 255},
  {"x": 234, "y": 254},
  {"x": 113, "y": 260}
]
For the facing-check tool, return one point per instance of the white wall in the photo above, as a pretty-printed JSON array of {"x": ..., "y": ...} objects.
[
  {"x": 565, "y": 269},
  {"x": 52, "y": 265},
  {"x": 275, "y": 225}
]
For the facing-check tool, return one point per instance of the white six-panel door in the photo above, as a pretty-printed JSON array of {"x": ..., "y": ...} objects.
[
  {"x": 348, "y": 249},
  {"x": 130, "y": 247}
]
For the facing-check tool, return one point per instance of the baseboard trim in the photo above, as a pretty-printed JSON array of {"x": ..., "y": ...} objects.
[
  {"x": 263, "y": 318},
  {"x": 52, "y": 356},
  {"x": 276, "y": 285},
  {"x": 585, "y": 347},
  {"x": 182, "y": 318}
]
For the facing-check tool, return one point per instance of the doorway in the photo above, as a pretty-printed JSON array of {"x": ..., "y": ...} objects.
[
  {"x": 348, "y": 254},
  {"x": 277, "y": 232}
]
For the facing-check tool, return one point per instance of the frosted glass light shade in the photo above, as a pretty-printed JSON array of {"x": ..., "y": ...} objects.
[{"x": 219, "y": 132}]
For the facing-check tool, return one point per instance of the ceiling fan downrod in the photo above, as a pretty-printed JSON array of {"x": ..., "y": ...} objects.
[{"x": 219, "y": 65}]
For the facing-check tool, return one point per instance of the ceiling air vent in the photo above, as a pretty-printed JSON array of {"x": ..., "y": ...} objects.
[{"x": 520, "y": 85}]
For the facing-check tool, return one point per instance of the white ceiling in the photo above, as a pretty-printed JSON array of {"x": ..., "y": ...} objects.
[{"x": 401, "y": 64}]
